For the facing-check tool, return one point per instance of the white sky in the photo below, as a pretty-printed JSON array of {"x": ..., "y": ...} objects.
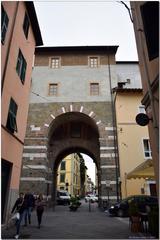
[
  {"x": 91, "y": 167},
  {"x": 86, "y": 23}
]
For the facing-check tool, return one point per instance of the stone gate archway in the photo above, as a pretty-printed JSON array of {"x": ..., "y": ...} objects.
[
  {"x": 57, "y": 133},
  {"x": 70, "y": 133}
]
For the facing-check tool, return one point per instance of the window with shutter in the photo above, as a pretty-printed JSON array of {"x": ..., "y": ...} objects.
[
  {"x": 21, "y": 66},
  {"x": 4, "y": 24},
  {"x": 26, "y": 25},
  {"x": 11, "y": 120}
]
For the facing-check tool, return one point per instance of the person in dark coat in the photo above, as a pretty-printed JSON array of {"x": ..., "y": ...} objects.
[
  {"x": 40, "y": 203},
  {"x": 21, "y": 207},
  {"x": 30, "y": 205},
  {"x": 18, "y": 203}
]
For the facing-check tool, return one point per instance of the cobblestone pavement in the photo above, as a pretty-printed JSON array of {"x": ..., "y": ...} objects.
[{"x": 82, "y": 224}]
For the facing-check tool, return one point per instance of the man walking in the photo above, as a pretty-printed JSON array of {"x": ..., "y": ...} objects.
[{"x": 30, "y": 205}]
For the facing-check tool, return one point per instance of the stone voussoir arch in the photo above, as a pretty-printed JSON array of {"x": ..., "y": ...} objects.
[{"x": 71, "y": 108}]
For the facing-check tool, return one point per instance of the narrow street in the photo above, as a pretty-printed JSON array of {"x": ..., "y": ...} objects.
[{"x": 82, "y": 224}]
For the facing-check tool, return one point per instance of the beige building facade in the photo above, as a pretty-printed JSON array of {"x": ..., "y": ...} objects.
[
  {"x": 69, "y": 175},
  {"x": 20, "y": 34},
  {"x": 133, "y": 140},
  {"x": 146, "y": 27}
]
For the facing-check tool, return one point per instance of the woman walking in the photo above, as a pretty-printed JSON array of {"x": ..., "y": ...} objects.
[{"x": 40, "y": 203}]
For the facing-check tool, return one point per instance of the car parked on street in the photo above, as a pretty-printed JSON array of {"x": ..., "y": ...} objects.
[
  {"x": 91, "y": 197},
  {"x": 121, "y": 209},
  {"x": 63, "y": 197}
]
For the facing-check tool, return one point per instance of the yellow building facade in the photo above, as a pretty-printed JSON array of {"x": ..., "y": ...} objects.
[
  {"x": 69, "y": 174},
  {"x": 133, "y": 140}
]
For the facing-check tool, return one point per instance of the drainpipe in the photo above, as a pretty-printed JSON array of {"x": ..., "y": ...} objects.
[
  {"x": 116, "y": 142},
  {"x": 115, "y": 133},
  {"x": 9, "y": 48}
]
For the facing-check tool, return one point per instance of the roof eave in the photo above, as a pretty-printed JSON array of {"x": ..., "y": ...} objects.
[
  {"x": 34, "y": 22},
  {"x": 74, "y": 48}
]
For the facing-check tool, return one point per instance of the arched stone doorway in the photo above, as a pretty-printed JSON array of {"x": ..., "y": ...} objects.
[
  {"x": 70, "y": 133},
  {"x": 53, "y": 133}
]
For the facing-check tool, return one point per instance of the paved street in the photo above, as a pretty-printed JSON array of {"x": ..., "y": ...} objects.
[{"x": 82, "y": 224}]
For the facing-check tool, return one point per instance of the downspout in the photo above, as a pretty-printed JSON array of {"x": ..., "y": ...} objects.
[
  {"x": 116, "y": 141},
  {"x": 9, "y": 48},
  {"x": 115, "y": 132}
]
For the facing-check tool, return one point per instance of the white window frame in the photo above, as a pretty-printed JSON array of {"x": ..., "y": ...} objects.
[
  {"x": 149, "y": 151},
  {"x": 52, "y": 95},
  {"x": 90, "y": 84},
  {"x": 54, "y": 65},
  {"x": 93, "y": 65}
]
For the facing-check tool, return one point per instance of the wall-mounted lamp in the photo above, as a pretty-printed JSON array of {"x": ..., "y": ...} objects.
[{"x": 142, "y": 119}]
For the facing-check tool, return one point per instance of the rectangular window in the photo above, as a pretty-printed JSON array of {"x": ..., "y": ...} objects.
[
  {"x": 94, "y": 89},
  {"x": 93, "y": 62},
  {"x": 26, "y": 25},
  {"x": 11, "y": 120},
  {"x": 53, "y": 89},
  {"x": 21, "y": 66},
  {"x": 4, "y": 24},
  {"x": 62, "y": 177},
  {"x": 63, "y": 165},
  {"x": 147, "y": 148},
  {"x": 55, "y": 62}
]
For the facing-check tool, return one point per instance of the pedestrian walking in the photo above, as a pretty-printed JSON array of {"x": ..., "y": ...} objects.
[
  {"x": 30, "y": 206},
  {"x": 21, "y": 207},
  {"x": 18, "y": 203},
  {"x": 40, "y": 203}
]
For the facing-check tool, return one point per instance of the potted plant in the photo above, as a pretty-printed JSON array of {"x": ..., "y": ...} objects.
[
  {"x": 134, "y": 217},
  {"x": 74, "y": 203}
]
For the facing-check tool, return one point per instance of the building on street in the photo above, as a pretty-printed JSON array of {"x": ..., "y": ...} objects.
[
  {"x": 146, "y": 28},
  {"x": 20, "y": 33},
  {"x": 71, "y": 111},
  {"x": 133, "y": 140},
  {"x": 69, "y": 174}
]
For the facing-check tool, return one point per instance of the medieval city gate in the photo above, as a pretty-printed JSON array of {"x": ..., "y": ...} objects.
[{"x": 74, "y": 122}]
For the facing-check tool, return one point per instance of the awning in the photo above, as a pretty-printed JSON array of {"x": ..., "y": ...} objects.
[{"x": 144, "y": 170}]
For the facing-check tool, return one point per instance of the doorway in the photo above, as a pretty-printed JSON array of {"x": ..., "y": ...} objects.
[{"x": 6, "y": 173}]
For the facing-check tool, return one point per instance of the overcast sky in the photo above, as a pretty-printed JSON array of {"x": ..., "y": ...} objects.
[
  {"x": 91, "y": 166},
  {"x": 86, "y": 23}
]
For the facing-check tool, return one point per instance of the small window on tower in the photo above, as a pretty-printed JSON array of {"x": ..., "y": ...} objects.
[
  {"x": 53, "y": 89},
  {"x": 94, "y": 89},
  {"x": 93, "y": 62},
  {"x": 55, "y": 62}
]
